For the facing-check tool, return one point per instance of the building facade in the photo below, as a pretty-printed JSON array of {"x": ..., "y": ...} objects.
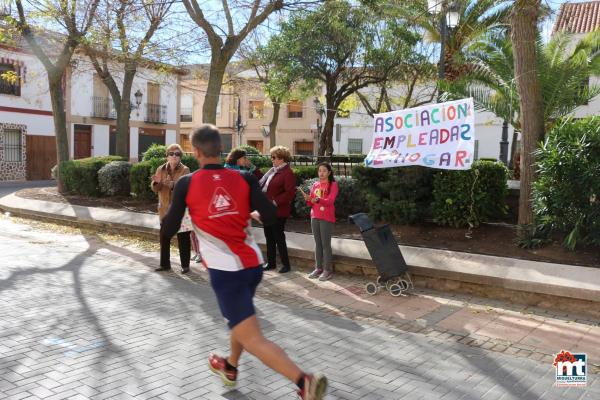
[
  {"x": 27, "y": 134},
  {"x": 296, "y": 128}
]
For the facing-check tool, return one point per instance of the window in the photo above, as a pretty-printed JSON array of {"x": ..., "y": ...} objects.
[
  {"x": 10, "y": 81},
  {"x": 187, "y": 107},
  {"x": 355, "y": 146},
  {"x": 13, "y": 145},
  {"x": 294, "y": 108},
  {"x": 304, "y": 148},
  {"x": 256, "y": 109}
]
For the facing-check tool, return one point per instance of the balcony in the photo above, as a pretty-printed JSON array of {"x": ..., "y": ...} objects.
[
  {"x": 103, "y": 107},
  {"x": 9, "y": 88},
  {"x": 156, "y": 113},
  {"x": 185, "y": 114}
]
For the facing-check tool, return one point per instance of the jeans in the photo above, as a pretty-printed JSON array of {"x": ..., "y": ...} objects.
[
  {"x": 275, "y": 235},
  {"x": 322, "y": 231}
]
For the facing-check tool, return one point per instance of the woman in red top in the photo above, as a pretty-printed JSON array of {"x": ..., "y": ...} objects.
[
  {"x": 322, "y": 218},
  {"x": 279, "y": 184}
]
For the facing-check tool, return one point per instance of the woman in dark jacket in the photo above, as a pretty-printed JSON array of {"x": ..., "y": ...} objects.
[
  {"x": 279, "y": 184},
  {"x": 238, "y": 159}
]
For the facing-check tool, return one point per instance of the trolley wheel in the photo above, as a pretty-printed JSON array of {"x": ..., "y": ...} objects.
[
  {"x": 390, "y": 282},
  {"x": 403, "y": 284},
  {"x": 371, "y": 288},
  {"x": 380, "y": 283},
  {"x": 395, "y": 290}
]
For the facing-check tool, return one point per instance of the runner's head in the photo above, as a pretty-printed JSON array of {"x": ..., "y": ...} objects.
[{"x": 206, "y": 142}]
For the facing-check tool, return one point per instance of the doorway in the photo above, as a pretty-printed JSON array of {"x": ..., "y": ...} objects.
[{"x": 82, "y": 143}]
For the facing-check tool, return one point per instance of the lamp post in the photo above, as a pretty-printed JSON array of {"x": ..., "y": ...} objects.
[
  {"x": 449, "y": 16},
  {"x": 138, "y": 100},
  {"x": 504, "y": 143},
  {"x": 320, "y": 111}
]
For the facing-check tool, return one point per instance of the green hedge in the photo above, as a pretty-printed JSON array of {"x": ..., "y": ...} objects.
[
  {"x": 141, "y": 175},
  {"x": 395, "y": 195},
  {"x": 81, "y": 176},
  {"x": 113, "y": 179},
  {"x": 566, "y": 195},
  {"x": 303, "y": 173},
  {"x": 467, "y": 198},
  {"x": 155, "y": 151}
]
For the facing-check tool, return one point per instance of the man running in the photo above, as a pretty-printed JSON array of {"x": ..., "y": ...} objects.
[{"x": 220, "y": 203}]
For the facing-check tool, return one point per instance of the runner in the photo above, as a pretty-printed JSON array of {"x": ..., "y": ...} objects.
[{"x": 221, "y": 203}]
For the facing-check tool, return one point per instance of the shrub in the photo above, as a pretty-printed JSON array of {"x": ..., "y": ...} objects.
[
  {"x": 261, "y": 161},
  {"x": 190, "y": 161},
  {"x": 349, "y": 200},
  {"x": 113, "y": 178},
  {"x": 467, "y": 198},
  {"x": 395, "y": 195},
  {"x": 566, "y": 195},
  {"x": 155, "y": 151},
  {"x": 81, "y": 176},
  {"x": 250, "y": 151},
  {"x": 141, "y": 175},
  {"x": 303, "y": 173}
]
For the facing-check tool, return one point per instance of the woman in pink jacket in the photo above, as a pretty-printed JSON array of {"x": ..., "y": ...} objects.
[{"x": 322, "y": 218}]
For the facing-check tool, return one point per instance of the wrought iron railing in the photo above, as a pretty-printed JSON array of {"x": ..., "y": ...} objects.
[
  {"x": 103, "y": 107},
  {"x": 156, "y": 113},
  {"x": 9, "y": 88},
  {"x": 185, "y": 114}
]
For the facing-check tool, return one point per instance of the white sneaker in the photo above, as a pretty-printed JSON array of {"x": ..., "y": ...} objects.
[
  {"x": 315, "y": 274},
  {"x": 325, "y": 276}
]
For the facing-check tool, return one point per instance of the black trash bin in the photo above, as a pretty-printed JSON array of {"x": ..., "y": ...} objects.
[{"x": 384, "y": 252}]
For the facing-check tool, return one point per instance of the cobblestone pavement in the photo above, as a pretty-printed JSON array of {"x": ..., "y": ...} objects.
[{"x": 83, "y": 318}]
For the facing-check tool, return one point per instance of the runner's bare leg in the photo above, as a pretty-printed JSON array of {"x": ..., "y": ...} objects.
[
  {"x": 236, "y": 352},
  {"x": 248, "y": 333}
]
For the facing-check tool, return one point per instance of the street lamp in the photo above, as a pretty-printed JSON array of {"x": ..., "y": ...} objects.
[
  {"x": 320, "y": 111},
  {"x": 138, "y": 100},
  {"x": 449, "y": 17}
]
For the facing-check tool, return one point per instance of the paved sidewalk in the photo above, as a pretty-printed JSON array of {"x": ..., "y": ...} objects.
[
  {"x": 528, "y": 332},
  {"x": 88, "y": 319}
]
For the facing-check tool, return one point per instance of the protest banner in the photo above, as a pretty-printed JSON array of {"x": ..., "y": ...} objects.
[{"x": 436, "y": 135}]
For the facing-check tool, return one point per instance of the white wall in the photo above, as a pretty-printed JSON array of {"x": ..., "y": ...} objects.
[
  {"x": 133, "y": 143},
  {"x": 100, "y": 140},
  {"x": 34, "y": 91},
  {"x": 82, "y": 82},
  {"x": 170, "y": 137},
  {"x": 36, "y": 124}
]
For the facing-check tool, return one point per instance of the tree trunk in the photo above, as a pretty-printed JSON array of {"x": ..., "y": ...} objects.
[
  {"x": 57, "y": 97},
  {"x": 124, "y": 114},
  {"x": 523, "y": 35},
  {"x": 213, "y": 90},
  {"x": 273, "y": 124},
  {"x": 326, "y": 139}
]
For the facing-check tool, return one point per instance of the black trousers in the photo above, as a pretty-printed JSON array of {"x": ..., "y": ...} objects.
[
  {"x": 275, "y": 235},
  {"x": 185, "y": 246}
]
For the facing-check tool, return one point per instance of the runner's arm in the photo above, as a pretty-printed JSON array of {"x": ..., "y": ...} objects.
[
  {"x": 260, "y": 202},
  {"x": 172, "y": 220}
]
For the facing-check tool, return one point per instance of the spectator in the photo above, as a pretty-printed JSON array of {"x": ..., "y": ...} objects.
[
  {"x": 163, "y": 182},
  {"x": 238, "y": 159},
  {"x": 279, "y": 184},
  {"x": 321, "y": 201}
]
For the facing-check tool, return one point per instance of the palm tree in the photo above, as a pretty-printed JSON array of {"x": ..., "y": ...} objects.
[
  {"x": 476, "y": 19},
  {"x": 564, "y": 69}
]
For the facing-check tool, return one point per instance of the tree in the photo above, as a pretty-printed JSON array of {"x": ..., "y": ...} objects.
[
  {"x": 523, "y": 35},
  {"x": 341, "y": 47},
  {"x": 55, "y": 50},
  {"x": 563, "y": 72},
  {"x": 477, "y": 18},
  {"x": 130, "y": 24},
  {"x": 277, "y": 83},
  {"x": 224, "y": 42}
]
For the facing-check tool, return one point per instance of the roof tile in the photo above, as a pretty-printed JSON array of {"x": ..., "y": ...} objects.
[{"x": 578, "y": 17}]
